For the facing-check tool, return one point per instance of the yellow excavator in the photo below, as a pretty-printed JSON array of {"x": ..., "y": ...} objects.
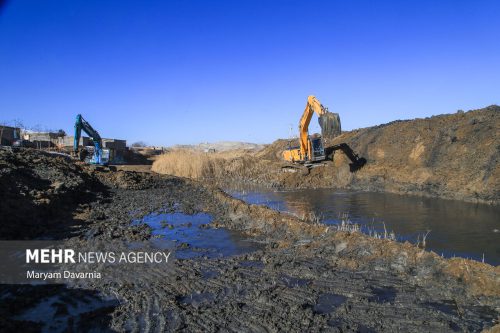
[{"x": 311, "y": 148}]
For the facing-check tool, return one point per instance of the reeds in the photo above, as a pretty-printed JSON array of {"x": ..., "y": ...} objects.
[
  {"x": 221, "y": 166},
  {"x": 187, "y": 163},
  {"x": 347, "y": 225}
]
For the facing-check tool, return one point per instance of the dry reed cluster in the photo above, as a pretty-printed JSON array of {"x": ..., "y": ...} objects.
[
  {"x": 187, "y": 163},
  {"x": 220, "y": 166}
]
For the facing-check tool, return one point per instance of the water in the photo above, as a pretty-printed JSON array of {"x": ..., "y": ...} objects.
[
  {"x": 327, "y": 303},
  {"x": 65, "y": 313},
  {"x": 456, "y": 228},
  {"x": 193, "y": 236}
]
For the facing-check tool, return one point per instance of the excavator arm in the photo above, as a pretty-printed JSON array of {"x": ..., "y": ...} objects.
[
  {"x": 356, "y": 161},
  {"x": 82, "y": 124},
  {"x": 330, "y": 123}
]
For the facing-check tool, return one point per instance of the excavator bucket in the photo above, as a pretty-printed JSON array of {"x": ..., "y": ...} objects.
[
  {"x": 356, "y": 161},
  {"x": 357, "y": 164},
  {"x": 330, "y": 124}
]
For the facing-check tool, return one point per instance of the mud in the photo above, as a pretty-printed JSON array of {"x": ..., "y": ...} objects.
[{"x": 302, "y": 277}]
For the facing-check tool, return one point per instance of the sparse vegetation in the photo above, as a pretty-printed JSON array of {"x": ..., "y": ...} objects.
[
  {"x": 421, "y": 241},
  {"x": 348, "y": 226}
]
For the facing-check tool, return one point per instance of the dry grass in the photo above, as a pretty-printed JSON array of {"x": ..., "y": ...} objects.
[
  {"x": 196, "y": 164},
  {"x": 185, "y": 163},
  {"x": 221, "y": 166}
]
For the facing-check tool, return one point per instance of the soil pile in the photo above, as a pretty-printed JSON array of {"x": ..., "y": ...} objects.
[
  {"x": 39, "y": 191},
  {"x": 452, "y": 156}
]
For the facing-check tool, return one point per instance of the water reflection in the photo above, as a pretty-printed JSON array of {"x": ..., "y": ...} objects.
[
  {"x": 457, "y": 228},
  {"x": 193, "y": 236}
]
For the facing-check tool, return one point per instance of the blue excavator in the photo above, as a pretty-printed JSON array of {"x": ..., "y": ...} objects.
[{"x": 100, "y": 156}]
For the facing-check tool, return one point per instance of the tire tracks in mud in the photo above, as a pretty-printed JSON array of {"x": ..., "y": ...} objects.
[
  {"x": 282, "y": 287},
  {"x": 258, "y": 298}
]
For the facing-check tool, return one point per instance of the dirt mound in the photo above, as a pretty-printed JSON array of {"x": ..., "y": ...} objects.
[
  {"x": 39, "y": 191},
  {"x": 451, "y": 156},
  {"x": 274, "y": 151}
]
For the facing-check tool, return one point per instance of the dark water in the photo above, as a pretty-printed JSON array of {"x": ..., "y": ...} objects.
[
  {"x": 456, "y": 228},
  {"x": 193, "y": 236}
]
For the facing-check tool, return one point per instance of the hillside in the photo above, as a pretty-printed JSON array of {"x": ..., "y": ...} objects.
[{"x": 452, "y": 156}]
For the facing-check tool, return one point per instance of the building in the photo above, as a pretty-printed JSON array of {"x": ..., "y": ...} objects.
[
  {"x": 43, "y": 140},
  {"x": 9, "y": 134},
  {"x": 68, "y": 141},
  {"x": 114, "y": 144},
  {"x": 57, "y": 140},
  {"x": 117, "y": 148}
]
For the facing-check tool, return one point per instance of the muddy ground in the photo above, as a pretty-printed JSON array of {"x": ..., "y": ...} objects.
[
  {"x": 453, "y": 156},
  {"x": 301, "y": 276}
]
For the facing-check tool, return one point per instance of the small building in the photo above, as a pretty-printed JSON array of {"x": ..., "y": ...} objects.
[
  {"x": 43, "y": 140},
  {"x": 68, "y": 141},
  {"x": 114, "y": 144},
  {"x": 9, "y": 134}
]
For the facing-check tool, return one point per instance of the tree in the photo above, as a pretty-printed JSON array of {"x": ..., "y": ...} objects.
[
  {"x": 139, "y": 144},
  {"x": 2, "y": 128}
]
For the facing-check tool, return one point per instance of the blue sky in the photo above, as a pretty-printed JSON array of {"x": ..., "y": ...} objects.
[{"x": 169, "y": 72}]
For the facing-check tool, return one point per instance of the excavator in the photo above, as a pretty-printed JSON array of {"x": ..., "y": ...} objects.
[
  {"x": 311, "y": 149},
  {"x": 100, "y": 155}
]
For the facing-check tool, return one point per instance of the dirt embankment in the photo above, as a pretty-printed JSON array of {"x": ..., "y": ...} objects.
[
  {"x": 452, "y": 156},
  {"x": 39, "y": 191}
]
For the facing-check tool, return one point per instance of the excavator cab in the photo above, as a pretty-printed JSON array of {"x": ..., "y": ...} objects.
[
  {"x": 317, "y": 150},
  {"x": 104, "y": 159},
  {"x": 314, "y": 153},
  {"x": 87, "y": 155}
]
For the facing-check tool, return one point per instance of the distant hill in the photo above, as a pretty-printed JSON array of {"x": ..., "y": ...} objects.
[{"x": 222, "y": 146}]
